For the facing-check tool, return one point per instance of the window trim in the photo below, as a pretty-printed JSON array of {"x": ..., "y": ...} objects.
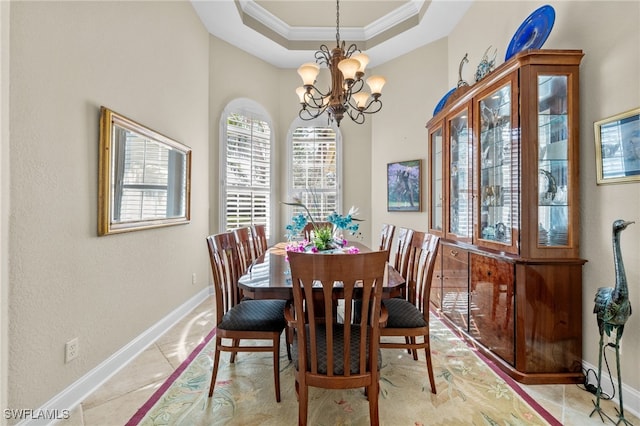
[{"x": 254, "y": 110}]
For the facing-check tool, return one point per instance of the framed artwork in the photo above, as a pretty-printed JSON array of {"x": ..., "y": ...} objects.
[
  {"x": 404, "y": 186},
  {"x": 618, "y": 148}
]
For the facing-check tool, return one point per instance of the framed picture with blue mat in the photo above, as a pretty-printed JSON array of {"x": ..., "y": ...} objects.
[{"x": 404, "y": 186}]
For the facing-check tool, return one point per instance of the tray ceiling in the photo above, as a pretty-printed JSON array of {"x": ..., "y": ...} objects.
[{"x": 286, "y": 33}]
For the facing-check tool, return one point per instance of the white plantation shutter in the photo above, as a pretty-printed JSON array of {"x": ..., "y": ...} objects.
[
  {"x": 247, "y": 172},
  {"x": 143, "y": 180},
  {"x": 314, "y": 170}
]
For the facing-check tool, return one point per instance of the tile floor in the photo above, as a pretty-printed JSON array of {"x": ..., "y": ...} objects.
[{"x": 119, "y": 398}]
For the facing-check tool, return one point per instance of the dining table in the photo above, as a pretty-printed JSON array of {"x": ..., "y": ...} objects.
[{"x": 269, "y": 276}]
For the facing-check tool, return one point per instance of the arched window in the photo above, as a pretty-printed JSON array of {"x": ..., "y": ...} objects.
[
  {"x": 315, "y": 166},
  {"x": 245, "y": 166}
]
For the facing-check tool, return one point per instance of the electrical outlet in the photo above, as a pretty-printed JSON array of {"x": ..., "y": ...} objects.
[
  {"x": 193, "y": 279},
  {"x": 71, "y": 350}
]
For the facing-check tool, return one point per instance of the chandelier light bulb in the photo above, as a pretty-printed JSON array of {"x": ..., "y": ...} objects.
[
  {"x": 349, "y": 67},
  {"x": 363, "y": 59},
  {"x": 361, "y": 99},
  {"x": 300, "y": 91},
  {"x": 375, "y": 83},
  {"x": 308, "y": 72}
]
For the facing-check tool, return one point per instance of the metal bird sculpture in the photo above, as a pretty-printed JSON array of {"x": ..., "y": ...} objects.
[{"x": 612, "y": 309}]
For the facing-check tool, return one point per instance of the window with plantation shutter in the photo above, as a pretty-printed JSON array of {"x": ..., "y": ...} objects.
[
  {"x": 314, "y": 170},
  {"x": 246, "y": 169}
]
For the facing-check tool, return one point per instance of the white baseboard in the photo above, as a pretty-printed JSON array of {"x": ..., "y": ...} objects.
[
  {"x": 630, "y": 396},
  {"x": 77, "y": 392}
]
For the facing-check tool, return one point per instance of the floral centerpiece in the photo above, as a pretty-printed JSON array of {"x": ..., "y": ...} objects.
[{"x": 323, "y": 237}]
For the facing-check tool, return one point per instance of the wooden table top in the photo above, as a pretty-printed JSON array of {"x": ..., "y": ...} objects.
[{"x": 269, "y": 276}]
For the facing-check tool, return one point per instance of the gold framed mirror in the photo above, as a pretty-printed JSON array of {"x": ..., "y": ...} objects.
[{"x": 144, "y": 177}]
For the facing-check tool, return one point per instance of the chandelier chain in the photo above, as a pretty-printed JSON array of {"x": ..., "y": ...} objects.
[{"x": 338, "y": 22}]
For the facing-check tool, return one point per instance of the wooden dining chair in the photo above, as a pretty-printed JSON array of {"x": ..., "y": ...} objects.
[
  {"x": 386, "y": 237},
  {"x": 259, "y": 237},
  {"x": 238, "y": 319},
  {"x": 245, "y": 247},
  {"x": 309, "y": 228},
  {"x": 322, "y": 347},
  {"x": 400, "y": 258},
  {"x": 409, "y": 317}
]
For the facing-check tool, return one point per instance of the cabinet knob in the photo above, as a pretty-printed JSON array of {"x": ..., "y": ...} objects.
[{"x": 454, "y": 253}]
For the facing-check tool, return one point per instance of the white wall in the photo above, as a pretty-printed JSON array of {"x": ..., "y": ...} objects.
[
  {"x": 147, "y": 61},
  {"x": 4, "y": 200},
  {"x": 415, "y": 84}
]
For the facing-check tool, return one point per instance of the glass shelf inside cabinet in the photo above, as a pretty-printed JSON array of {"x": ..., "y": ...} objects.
[
  {"x": 496, "y": 197},
  {"x": 553, "y": 167},
  {"x": 460, "y": 209},
  {"x": 436, "y": 180}
]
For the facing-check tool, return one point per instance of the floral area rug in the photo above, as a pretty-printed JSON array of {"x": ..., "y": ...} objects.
[{"x": 470, "y": 392}]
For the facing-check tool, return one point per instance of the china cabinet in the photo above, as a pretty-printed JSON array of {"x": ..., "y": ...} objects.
[{"x": 504, "y": 198}]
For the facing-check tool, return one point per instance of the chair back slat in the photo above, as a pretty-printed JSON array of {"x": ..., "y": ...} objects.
[
  {"x": 422, "y": 253},
  {"x": 360, "y": 276},
  {"x": 245, "y": 247},
  {"x": 386, "y": 237},
  {"x": 401, "y": 258},
  {"x": 424, "y": 275},
  {"x": 259, "y": 236},
  {"x": 226, "y": 270}
]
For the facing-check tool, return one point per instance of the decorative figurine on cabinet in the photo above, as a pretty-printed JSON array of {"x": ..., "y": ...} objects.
[{"x": 486, "y": 66}]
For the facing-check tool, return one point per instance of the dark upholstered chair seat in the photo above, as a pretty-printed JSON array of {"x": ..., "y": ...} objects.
[
  {"x": 255, "y": 315},
  {"x": 338, "y": 350},
  {"x": 403, "y": 314}
]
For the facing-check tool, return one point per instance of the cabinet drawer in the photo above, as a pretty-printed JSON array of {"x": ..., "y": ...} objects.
[
  {"x": 455, "y": 285},
  {"x": 491, "y": 305}
]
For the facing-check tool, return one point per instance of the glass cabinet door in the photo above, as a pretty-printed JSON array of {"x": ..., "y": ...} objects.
[
  {"x": 460, "y": 205},
  {"x": 437, "y": 189},
  {"x": 553, "y": 164},
  {"x": 495, "y": 181}
]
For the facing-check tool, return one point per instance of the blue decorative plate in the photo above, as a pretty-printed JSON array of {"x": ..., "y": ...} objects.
[
  {"x": 443, "y": 101},
  {"x": 533, "y": 31}
]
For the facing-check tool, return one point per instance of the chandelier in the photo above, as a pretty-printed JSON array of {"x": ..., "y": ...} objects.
[{"x": 346, "y": 95}]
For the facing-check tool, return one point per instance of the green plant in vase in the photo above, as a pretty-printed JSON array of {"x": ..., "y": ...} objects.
[{"x": 323, "y": 238}]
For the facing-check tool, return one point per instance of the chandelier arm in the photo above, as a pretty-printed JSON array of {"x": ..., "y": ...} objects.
[
  {"x": 356, "y": 87},
  {"x": 319, "y": 94},
  {"x": 357, "y": 118},
  {"x": 323, "y": 55},
  {"x": 351, "y": 50},
  {"x": 375, "y": 105},
  {"x": 309, "y": 114}
]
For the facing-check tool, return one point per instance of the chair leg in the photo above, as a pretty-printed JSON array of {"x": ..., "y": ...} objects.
[
  {"x": 276, "y": 365},
  {"x": 432, "y": 380},
  {"x": 414, "y": 351},
  {"x": 216, "y": 361},
  {"x": 373, "y": 391},
  {"x": 235, "y": 343},
  {"x": 289, "y": 341},
  {"x": 303, "y": 403}
]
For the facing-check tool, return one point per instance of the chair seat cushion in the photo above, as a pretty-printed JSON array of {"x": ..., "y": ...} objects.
[
  {"x": 338, "y": 350},
  {"x": 403, "y": 314},
  {"x": 255, "y": 315}
]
